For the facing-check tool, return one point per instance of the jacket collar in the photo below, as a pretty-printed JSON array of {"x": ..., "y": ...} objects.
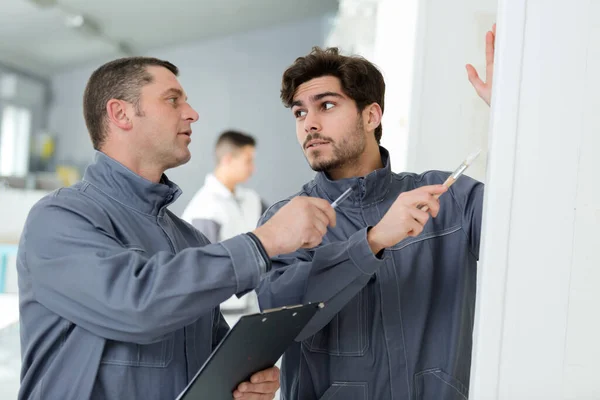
[
  {"x": 367, "y": 189},
  {"x": 129, "y": 188}
]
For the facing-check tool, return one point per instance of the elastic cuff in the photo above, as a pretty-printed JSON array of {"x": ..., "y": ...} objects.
[
  {"x": 262, "y": 251},
  {"x": 246, "y": 261},
  {"x": 380, "y": 254},
  {"x": 360, "y": 253}
]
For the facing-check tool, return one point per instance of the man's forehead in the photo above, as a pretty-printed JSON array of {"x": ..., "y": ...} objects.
[
  {"x": 163, "y": 79},
  {"x": 318, "y": 85}
]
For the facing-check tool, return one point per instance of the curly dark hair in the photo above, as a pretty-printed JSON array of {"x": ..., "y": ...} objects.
[{"x": 360, "y": 79}]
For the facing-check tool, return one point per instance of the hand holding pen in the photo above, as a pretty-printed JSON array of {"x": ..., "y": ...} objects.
[
  {"x": 342, "y": 197},
  {"x": 301, "y": 223},
  {"x": 403, "y": 218},
  {"x": 410, "y": 212},
  {"x": 456, "y": 174}
]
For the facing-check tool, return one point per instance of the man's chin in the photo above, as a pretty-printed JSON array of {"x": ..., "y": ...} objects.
[
  {"x": 322, "y": 166},
  {"x": 182, "y": 158},
  {"x": 187, "y": 156}
]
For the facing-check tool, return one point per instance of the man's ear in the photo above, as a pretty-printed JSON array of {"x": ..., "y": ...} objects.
[
  {"x": 372, "y": 116},
  {"x": 119, "y": 114},
  {"x": 226, "y": 159}
]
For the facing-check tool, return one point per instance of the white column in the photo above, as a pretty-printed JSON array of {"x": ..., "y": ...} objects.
[{"x": 537, "y": 326}]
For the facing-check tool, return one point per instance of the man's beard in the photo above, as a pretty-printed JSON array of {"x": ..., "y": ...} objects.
[{"x": 347, "y": 152}]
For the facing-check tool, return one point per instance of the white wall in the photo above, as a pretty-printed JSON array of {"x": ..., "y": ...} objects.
[
  {"x": 232, "y": 82},
  {"x": 537, "y": 324},
  {"x": 394, "y": 54},
  {"x": 447, "y": 119}
]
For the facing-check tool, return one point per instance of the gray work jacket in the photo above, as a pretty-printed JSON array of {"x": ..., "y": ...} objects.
[
  {"x": 118, "y": 297},
  {"x": 396, "y": 328}
]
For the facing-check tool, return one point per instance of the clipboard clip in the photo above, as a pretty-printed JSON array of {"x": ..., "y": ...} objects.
[{"x": 270, "y": 310}]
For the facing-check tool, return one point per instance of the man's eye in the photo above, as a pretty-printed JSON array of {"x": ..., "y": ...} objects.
[
  {"x": 300, "y": 113},
  {"x": 173, "y": 100},
  {"x": 328, "y": 106}
]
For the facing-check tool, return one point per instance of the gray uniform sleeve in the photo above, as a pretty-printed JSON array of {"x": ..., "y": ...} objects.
[
  {"x": 468, "y": 194},
  {"x": 209, "y": 228},
  {"x": 333, "y": 273},
  {"x": 220, "y": 328},
  {"x": 263, "y": 206},
  {"x": 83, "y": 273}
]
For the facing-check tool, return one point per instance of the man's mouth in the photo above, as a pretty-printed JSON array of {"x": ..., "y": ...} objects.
[
  {"x": 315, "y": 144},
  {"x": 186, "y": 133}
]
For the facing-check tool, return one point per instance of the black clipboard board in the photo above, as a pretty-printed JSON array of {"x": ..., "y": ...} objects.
[{"x": 253, "y": 344}]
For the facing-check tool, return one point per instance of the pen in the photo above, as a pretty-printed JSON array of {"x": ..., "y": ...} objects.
[
  {"x": 456, "y": 174},
  {"x": 342, "y": 197}
]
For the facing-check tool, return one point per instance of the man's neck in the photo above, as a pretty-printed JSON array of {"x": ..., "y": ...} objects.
[
  {"x": 223, "y": 177},
  {"x": 368, "y": 161},
  {"x": 148, "y": 171}
]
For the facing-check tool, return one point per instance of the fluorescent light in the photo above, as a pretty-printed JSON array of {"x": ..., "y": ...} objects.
[{"x": 74, "y": 21}]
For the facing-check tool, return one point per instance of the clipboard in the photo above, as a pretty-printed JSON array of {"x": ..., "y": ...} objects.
[{"x": 253, "y": 344}]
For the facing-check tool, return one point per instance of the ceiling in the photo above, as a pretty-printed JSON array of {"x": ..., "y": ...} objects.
[{"x": 35, "y": 38}]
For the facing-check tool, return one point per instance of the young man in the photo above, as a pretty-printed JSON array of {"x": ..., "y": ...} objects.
[
  {"x": 399, "y": 287},
  {"x": 222, "y": 208},
  {"x": 119, "y": 298}
]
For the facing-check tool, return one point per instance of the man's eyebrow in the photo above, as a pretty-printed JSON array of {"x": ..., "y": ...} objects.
[
  {"x": 320, "y": 96},
  {"x": 174, "y": 91},
  {"x": 317, "y": 97}
]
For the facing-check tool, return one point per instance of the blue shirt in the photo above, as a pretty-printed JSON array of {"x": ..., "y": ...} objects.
[{"x": 118, "y": 297}]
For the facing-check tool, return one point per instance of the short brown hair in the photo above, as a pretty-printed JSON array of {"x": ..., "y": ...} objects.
[
  {"x": 120, "y": 79},
  {"x": 360, "y": 79},
  {"x": 230, "y": 141}
]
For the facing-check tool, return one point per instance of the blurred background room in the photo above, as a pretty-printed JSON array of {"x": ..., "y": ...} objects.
[{"x": 231, "y": 55}]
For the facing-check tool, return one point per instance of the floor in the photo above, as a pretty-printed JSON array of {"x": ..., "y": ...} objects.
[{"x": 10, "y": 362}]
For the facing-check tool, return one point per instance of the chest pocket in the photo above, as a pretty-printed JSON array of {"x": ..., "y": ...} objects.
[
  {"x": 425, "y": 236},
  {"x": 155, "y": 355},
  {"x": 435, "y": 384},
  {"x": 347, "y": 334},
  {"x": 346, "y": 391}
]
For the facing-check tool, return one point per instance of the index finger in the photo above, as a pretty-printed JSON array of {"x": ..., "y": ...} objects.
[
  {"x": 433, "y": 189},
  {"x": 267, "y": 375},
  {"x": 326, "y": 208},
  {"x": 490, "y": 46}
]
